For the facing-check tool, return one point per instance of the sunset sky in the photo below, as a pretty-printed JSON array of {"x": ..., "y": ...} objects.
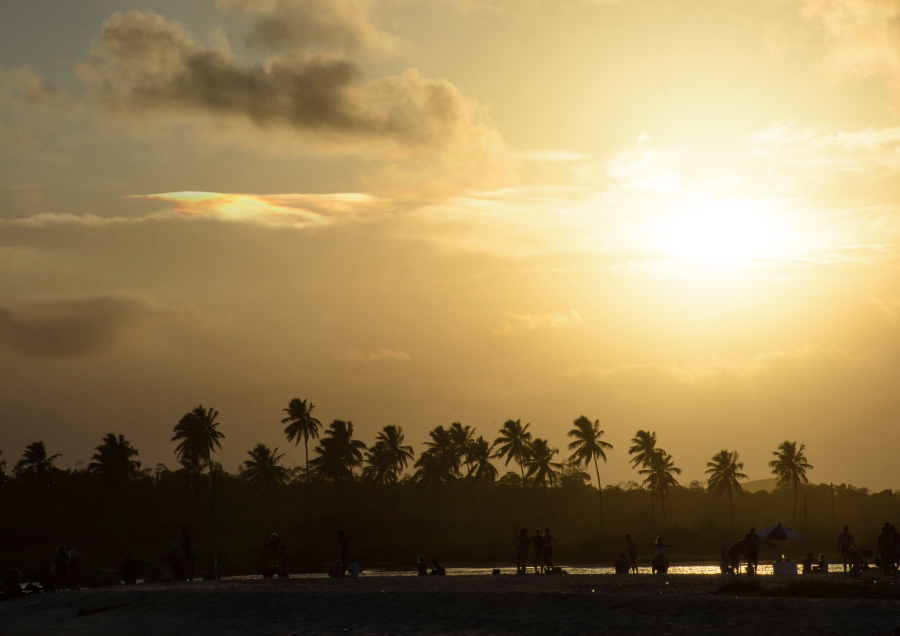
[{"x": 679, "y": 215}]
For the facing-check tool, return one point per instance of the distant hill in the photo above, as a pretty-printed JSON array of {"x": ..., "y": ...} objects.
[{"x": 758, "y": 485}]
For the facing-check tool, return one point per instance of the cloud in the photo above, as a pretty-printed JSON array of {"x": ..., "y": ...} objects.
[
  {"x": 864, "y": 37},
  {"x": 80, "y": 327},
  {"x": 553, "y": 155},
  {"x": 657, "y": 380},
  {"x": 517, "y": 324},
  {"x": 382, "y": 353},
  {"x": 146, "y": 64},
  {"x": 278, "y": 210},
  {"x": 342, "y": 25}
]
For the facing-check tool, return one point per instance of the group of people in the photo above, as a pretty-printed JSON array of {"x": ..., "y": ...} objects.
[
  {"x": 540, "y": 545},
  {"x": 628, "y": 564},
  {"x": 178, "y": 566}
]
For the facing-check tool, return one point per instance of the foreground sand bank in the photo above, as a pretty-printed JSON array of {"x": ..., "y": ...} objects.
[{"x": 677, "y": 604}]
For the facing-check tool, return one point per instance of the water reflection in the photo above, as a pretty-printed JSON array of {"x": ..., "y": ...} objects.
[{"x": 674, "y": 569}]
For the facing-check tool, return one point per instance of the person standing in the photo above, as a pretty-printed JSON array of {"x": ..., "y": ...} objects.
[
  {"x": 549, "y": 542},
  {"x": 61, "y": 569},
  {"x": 752, "y": 540},
  {"x": 521, "y": 544},
  {"x": 538, "y": 542},
  {"x": 187, "y": 553},
  {"x": 344, "y": 541},
  {"x": 845, "y": 542},
  {"x": 631, "y": 552}
]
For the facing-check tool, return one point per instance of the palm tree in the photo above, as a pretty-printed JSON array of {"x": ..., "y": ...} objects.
[
  {"x": 35, "y": 468},
  {"x": 379, "y": 466},
  {"x": 643, "y": 447},
  {"x": 514, "y": 444},
  {"x": 338, "y": 453},
  {"x": 391, "y": 438},
  {"x": 724, "y": 473},
  {"x": 114, "y": 461},
  {"x": 438, "y": 465},
  {"x": 587, "y": 447},
  {"x": 541, "y": 466},
  {"x": 483, "y": 470},
  {"x": 301, "y": 423},
  {"x": 264, "y": 470},
  {"x": 790, "y": 467},
  {"x": 198, "y": 436},
  {"x": 462, "y": 437},
  {"x": 660, "y": 477}
]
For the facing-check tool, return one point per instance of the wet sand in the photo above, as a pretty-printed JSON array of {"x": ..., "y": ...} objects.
[{"x": 564, "y": 604}]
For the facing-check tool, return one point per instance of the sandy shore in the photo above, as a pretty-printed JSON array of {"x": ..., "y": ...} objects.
[{"x": 573, "y": 604}]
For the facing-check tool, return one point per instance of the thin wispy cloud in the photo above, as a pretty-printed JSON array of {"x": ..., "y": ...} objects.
[{"x": 517, "y": 324}]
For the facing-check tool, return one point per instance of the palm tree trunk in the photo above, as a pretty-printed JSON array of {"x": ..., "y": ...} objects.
[
  {"x": 794, "y": 520},
  {"x": 599, "y": 490},
  {"x": 546, "y": 502},
  {"x": 524, "y": 491},
  {"x": 306, "y": 445},
  {"x": 662, "y": 505},
  {"x": 652, "y": 505},
  {"x": 212, "y": 478}
]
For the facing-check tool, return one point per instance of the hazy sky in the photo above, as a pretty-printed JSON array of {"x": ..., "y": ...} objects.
[{"x": 680, "y": 215}]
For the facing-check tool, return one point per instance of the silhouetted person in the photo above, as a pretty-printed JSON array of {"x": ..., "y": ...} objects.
[
  {"x": 187, "y": 553},
  {"x": 74, "y": 569},
  {"x": 623, "y": 564},
  {"x": 521, "y": 544},
  {"x": 822, "y": 565},
  {"x": 845, "y": 542},
  {"x": 856, "y": 556},
  {"x": 752, "y": 540},
  {"x": 336, "y": 571},
  {"x": 354, "y": 568},
  {"x": 549, "y": 542},
  {"x": 61, "y": 569},
  {"x": 660, "y": 564},
  {"x": 538, "y": 542},
  {"x": 273, "y": 563},
  {"x": 808, "y": 563},
  {"x": 178, "y": 566},
  {"x": 421, "y": 566},
  {"x": 12, "y": 586},
  {"x": 165, "y": 569},
  {"x": 886, "y": 548},
  {"x": 631, "y": 548},
  {"x": 129, "y": 571},
  {"x": 735, "y": 551},
  {"x": 437, "y": 569},
  {"x": 344, "y": 541}
]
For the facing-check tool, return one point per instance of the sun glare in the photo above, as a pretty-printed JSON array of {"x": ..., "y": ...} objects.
[{"x": 719, "y": 231}]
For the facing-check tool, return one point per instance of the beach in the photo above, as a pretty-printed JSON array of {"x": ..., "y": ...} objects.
[{"x": 460, "y": 604}]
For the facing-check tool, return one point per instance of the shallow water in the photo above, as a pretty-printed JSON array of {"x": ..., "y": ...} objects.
[{"x": 674, "y": 569}]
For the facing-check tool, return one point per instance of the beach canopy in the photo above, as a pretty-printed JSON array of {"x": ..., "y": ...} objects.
[{"x": 780, "y": 533}]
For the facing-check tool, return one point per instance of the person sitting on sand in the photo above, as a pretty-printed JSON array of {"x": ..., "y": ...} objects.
[
  {"x": 336, "y": 571},
  {"x": 660, "y": 563},
  {"x": 622, "y": 564},
  {"x": 165, "y": 570},
  {"x": 355, "y": 568},
  {"x": 549, "y": 542},
  {"x": 521, "y": 544},
  {"x": 62, "y": 567},
  {"x": 631, "y": 547},
  {"x": 822, "y": 565},
  {"x": 12, "y": 586},
  {"x": 422, "y": 567},
  {"x": 538, "y": 542},
  {"x": 437, "y": 569},
  {"x": 177, "y": 564},
  {"x": 344, "y": 541},
  {"x": 808, "y": 563},
  {"x": 129, "y": 571}
]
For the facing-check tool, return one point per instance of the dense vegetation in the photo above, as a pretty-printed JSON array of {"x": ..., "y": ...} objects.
[{"x": 450, "y": 501}]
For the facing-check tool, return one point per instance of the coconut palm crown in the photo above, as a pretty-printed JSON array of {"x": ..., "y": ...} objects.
[
  {"x": 724, "y": 474},
  {"x": 114, "y": 462},
  {"x": 587, "y": 447}
]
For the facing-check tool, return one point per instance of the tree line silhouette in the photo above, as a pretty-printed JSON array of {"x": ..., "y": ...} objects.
[{"x": 452, "y": 456}]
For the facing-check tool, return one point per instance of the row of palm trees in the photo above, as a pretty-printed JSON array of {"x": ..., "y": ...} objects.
[{"x": 452, "y": 454}]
